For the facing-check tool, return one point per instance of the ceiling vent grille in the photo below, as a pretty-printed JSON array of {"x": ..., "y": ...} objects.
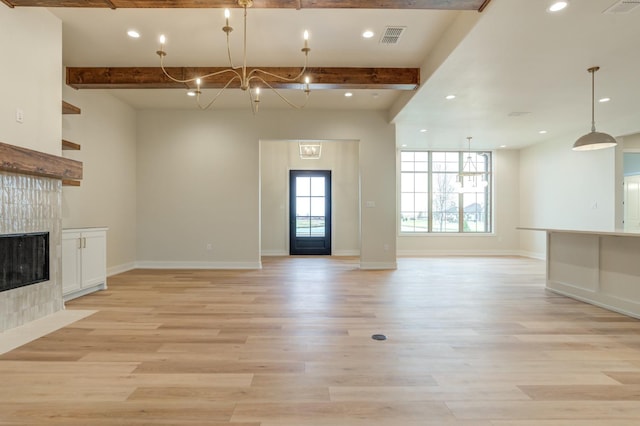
[
  {"x": 392, "y": 35},
  {"x": 623, "y": 6}
]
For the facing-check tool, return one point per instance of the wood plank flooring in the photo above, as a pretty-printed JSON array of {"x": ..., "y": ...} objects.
[{"x": 472, "y": 341}]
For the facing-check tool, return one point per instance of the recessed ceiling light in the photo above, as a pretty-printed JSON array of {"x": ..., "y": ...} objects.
[
  {"x": 191, "y": 93},
  {"x": 503, "y": 146},
  {"x": 449, "y": 97},
  {"x": 604, "y": 100},
  {"x": 133, "y": 34},
  {"x": 404, "y": 145},
  {"x": 423, "y": 130},
  {"x": 348, "y": 94},
  {"x": 367, "y": 34},
  {"x": 558, "y": 6},
  {"x": 542, "y": 132}
]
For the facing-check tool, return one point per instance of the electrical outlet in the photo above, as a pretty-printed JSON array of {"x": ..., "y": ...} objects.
[
  {"x": 19, "y": 115},
  {"x": 209, "y": 247}
]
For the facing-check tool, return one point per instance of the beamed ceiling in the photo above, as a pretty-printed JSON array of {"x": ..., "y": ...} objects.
[
  {"x": 323, "y": 78},
  {"x": 518, "y": 71}
]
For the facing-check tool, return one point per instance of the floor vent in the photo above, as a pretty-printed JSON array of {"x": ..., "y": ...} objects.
[
  {"x": 623, "y": 6},
  {"x": 392, "y": 35}
]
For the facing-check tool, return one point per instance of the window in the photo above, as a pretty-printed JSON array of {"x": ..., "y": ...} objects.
[{"x": 444, "y": 192}]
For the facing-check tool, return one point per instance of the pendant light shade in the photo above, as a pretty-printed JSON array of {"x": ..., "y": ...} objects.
[{"x": 594, "y": 140}]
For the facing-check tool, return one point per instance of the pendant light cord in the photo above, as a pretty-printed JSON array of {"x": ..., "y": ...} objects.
[{"x": 593, "y": 70}]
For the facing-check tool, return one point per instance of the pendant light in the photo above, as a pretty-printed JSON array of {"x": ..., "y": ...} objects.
[{"x": 594, "y": 140}]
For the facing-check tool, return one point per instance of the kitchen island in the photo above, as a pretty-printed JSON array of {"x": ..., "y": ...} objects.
[{"x": 597, "y": 267}]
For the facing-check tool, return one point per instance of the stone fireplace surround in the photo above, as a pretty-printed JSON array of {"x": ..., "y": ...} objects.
[{"x": 32, "y": 204}]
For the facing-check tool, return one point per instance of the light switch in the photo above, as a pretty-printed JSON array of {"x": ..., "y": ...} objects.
[{"x": 370, "y": 204}]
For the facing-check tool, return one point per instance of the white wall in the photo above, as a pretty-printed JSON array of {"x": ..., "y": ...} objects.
[
  {"x": 30, "y": 76},
  {"x": 276, "y": 159},
  {"x": 631, "y": 142},
  {"x": 106, "y": 132},
  {"x": 199, "y": 182},
  {"x": 565, "y": 189}
]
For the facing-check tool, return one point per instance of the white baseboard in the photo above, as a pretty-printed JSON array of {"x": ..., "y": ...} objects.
[
  {"x": 274, "y": 253},
  {"x": 459, "y": 253},
  {"x": 533, "y": 255},
  {"x": 371, "y": 266},
  {"x": 346, "y": 253},
  {"x": 118, "y": 269},
  {"x": 146, "y": 264}
]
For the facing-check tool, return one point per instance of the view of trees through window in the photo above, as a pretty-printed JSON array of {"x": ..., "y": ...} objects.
[{"x": 445, "y": 192}]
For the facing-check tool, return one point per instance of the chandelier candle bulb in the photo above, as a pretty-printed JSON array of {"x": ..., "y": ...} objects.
[
  {"x": 161, "y": 52},
  {"x": 227, "y": 29},
  {"x": 305, "y": 36}
]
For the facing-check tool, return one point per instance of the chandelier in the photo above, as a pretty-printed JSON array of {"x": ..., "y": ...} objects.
[
  {"x": 470, "y": 173},
  {"x": 249, "y": 81}
]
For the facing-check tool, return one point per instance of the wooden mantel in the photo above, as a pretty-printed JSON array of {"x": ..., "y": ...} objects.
[{"x": 20, "y": 160}]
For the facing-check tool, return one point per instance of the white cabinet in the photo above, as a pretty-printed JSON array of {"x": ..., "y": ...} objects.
[{"x": 84, "y": 261}]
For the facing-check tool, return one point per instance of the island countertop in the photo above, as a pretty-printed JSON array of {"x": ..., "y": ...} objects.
[{"x": 615, "y": 233}]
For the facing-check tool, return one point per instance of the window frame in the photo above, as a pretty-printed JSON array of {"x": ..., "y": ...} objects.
[{"x": 489, "y": 195}]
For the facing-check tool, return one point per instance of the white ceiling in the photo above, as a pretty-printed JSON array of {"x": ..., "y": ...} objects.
[{"x": 516, "y": 58}]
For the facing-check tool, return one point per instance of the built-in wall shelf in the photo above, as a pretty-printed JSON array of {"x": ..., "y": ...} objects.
[
  {"x": 67, "y": 108},
  {"x": 68, "y": 145}
]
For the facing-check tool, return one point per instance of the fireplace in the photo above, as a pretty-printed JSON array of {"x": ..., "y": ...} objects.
[
  {"x": 24, "y": 259},
  {"x": 30, "y": 220}
]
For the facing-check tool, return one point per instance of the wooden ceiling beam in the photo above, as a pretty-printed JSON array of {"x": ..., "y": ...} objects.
[
  {"x": 321, "y": 78},
  {"x": 478, "y": 5}
]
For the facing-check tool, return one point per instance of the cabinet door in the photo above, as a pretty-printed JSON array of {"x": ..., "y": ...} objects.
[
  {"x": 71, "y": 263},
  {"x": 94, "y": 258}
]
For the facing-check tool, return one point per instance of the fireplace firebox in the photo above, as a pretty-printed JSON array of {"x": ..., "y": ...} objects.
[{"x": 24, "y": 259}]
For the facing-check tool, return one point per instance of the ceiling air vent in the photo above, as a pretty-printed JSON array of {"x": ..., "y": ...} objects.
[
  {"x": 392, "y": 35},
  {"x": 623, "y": 6}
]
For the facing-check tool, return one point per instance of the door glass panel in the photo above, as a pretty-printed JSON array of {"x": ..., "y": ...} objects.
[
  {"x": 303, "y": 206},
  {"x": 303, "y": 226},
  {"x": 317, "y": 226},
  {"x": 317, "y": 206},
  {"x": 303, "y": 186},
  {"x": 310, "y": 206},
  {"x": 317, "y": 216},
  {"x": 317, "y": 186}
]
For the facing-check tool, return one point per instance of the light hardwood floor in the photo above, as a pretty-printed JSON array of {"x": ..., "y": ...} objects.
[{"x": 471, "y": 341}]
